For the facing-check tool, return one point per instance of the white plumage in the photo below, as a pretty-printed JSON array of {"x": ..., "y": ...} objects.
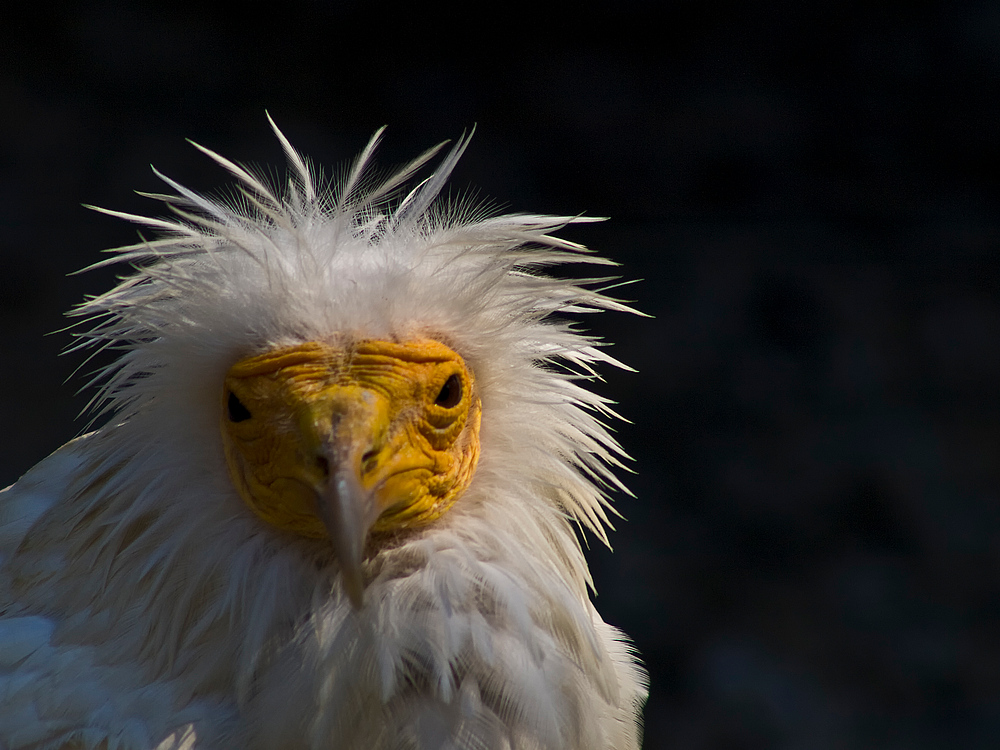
[{"x": 143, "y": 604}]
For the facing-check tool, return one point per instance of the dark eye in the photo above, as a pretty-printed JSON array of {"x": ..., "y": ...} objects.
[
  {"x": 451, "y": 393},
  {"x": 237, "y": 411}
]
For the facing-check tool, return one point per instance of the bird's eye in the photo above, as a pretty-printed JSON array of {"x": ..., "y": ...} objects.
[
  {"x": 237, "y": 411},
  {"x": 450, "y": 394}
]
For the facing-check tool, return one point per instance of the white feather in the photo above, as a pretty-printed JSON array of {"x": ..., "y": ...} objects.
[{"x": 143, "y": 606}]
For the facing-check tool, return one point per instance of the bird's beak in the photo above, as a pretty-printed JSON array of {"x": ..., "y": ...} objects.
[
  {"x": 347, "y": 511},
  {"x": 348, "y": 426}
]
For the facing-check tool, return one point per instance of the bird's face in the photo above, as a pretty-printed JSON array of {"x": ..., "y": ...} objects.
[{"x": 339, "y": 440}]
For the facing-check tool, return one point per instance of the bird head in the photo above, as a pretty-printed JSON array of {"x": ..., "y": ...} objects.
[{"x": 348, "y": 365}]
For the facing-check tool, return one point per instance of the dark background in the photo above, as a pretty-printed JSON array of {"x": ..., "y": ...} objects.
[{"x": 808, "y": 191}]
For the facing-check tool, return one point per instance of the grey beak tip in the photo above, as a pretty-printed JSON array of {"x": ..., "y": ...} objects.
[
  {"x": 355, "y": 590},
  {"x": 345, "y": 510}
]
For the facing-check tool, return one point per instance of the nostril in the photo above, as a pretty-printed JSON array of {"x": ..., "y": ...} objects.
[
  {"x": 368, "y": 457},
  {"x": 323, "y": 465}
]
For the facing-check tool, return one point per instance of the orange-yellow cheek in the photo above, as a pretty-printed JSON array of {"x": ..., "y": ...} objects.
[
  {"x": 273, "y": 479},
  {"x": 424, "y": 482}
]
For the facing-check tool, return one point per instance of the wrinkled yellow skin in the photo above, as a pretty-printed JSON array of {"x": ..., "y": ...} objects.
[{"x": 369, "y": 405}]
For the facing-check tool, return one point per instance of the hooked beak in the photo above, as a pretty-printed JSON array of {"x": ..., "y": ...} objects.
[
  {"x": 345, "y": 427},
  {"x": 347, "y": 511}
]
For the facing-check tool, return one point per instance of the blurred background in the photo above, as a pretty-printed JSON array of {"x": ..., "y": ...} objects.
[{"x": 808, "y": 192}]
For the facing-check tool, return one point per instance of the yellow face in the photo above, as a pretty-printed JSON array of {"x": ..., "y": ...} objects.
[{"x": 339, "y": 441}]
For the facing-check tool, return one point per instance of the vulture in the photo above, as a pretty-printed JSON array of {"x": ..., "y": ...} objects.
[{"x": 346, "y": 450}]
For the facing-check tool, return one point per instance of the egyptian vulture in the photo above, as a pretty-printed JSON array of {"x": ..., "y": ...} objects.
[{"x": 334, "y": 504}]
